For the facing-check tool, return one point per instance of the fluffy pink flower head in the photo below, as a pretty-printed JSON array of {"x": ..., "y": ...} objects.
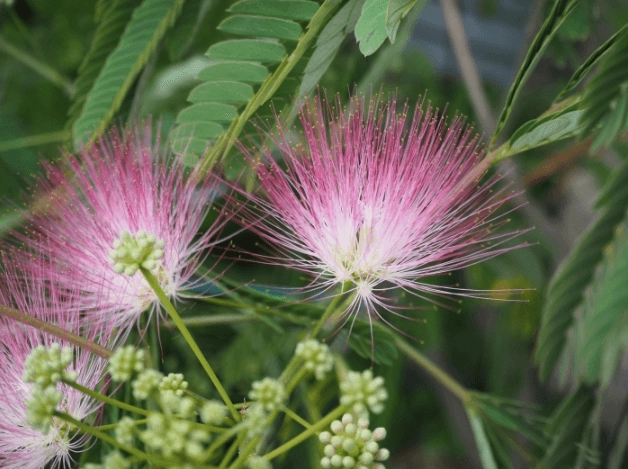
[
  {"x": 370, "y": 201},
  {"x": 124, "y": 192},
  {"x": 21, "y": 445}
]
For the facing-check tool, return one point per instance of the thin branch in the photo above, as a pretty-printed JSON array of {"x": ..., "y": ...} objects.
[
  {"x": 38, "y": 66},
  {"x": 34, "y": 140},
  {"x": 56, "y": 331}
]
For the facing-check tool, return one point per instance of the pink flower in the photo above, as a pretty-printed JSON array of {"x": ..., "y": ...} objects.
[
  {"x": 369, "y": 202},
  {"x": 22, "y": 446},
  {"x": 121, "y": 186}
]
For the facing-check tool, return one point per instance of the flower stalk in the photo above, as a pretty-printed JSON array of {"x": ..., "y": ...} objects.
[{"x": 176, "y": 319}]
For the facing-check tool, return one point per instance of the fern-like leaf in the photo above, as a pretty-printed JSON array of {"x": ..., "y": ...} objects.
[
  {"x": 557, "y": 16},
  {"x": 603, "y": 331},
  {"x": 566, "y": 429},
  {"x": 327, "y": 45},
  {"x": 566, "y": 288},
  {"x": 112, "y": 21},
  {"x": 247, "y": 71},
  {"x": 606, "y": 96},
  {"x": 147, "y": 26}
]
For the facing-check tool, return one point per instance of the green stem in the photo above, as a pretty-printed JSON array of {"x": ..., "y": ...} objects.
[
  {"x": 34, "y": 140},
  {"x": 108, "y": 400},
  {"x": 56, "y": 331},
  {"x": 220, "y": 441},
  {"x": 268, "y": 87},
  {"x": 298, "y": 376},
  {"x": 328, "y": 312},
  {"x": 296, "y": 417},
  {"x": 39, "y": 67},
  {"x": 318, "y": 426},
  {"x": 231, "y": 451},
  {"x": 217, "y": 319},
  {"x": 84, "y": 428},
  {"x": 113, "y": 426},
  {"x": 441, "y": 376},
  {"x": 174, "y": 316}
]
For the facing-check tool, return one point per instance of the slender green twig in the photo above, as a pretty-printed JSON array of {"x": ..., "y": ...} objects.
[
  {"x": 108, "y": 400},
  {"x": 331, "y": 309},
  {"x": 441, "y": 376},
  {"x": 34, "y": 140},
  {"x": 56, "y": 331},
  {"x": 39, "y": 67},
  {"x": 84, "y": 428},
  {"x": 296, "y": 417},
  {"x": 318, "y": 426},
  {"x": 176, "y": 318}
]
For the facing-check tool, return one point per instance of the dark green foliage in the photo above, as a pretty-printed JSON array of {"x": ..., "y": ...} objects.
[
  {"x": 602, "y": 333},
  {"x": 566, "y": 429},
  {"x": 566, "y": 289},
  {"x": 373, "y": 343},
  {"x": 112, "y": 21},
  {"x": 605, "y": 99},
  {"x": 548, "y": 128},
  {"x": 142, "y": 35},
  {"x": 584, "y": 69},
  {"x": 260, "y": 21},
  {"x": 557, "y": 16},
  {"x": 327, "y": 45}
]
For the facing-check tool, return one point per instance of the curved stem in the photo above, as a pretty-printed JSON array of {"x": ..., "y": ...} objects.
[
  {"x": 84, "y": 428},
  {"x": 267, "y": 89},
  {"x": 176, "y": 318},
  {"x": 56, "y": 331},
  {"x": 318, "y": 426},
  {"x": 441, "y": 376},
  {"x": 296, "y": 417},
  {"x": 39, "y": 67},
  {"x": 328, "y": 312},
  {"x": 107, "y": 400}
]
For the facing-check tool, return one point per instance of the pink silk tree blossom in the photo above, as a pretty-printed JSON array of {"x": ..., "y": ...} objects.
[
  {"x": 22, "y": 446},
  {"x": 122, "y": 184},
  {"x": 368, "y": 201}
]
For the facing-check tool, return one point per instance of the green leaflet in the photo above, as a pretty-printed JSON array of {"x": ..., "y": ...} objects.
[
  {"x": 287, "y": 9},
  {"x": 110, "y": 27},
  {"x": 370, "y": 30},
  {"x": 565, "y": 291},
  {"x": 603, "y": 331},
  {"x": 327, "y": 44},
  {"x": 240, "y": 65},
  {"x": 192, "y": 19},
  {"x": 481, "y": 439},
  {"x": 559, "y": 13},
  {"x": 591, "y": 62},
  {"x": 142, "y": 34},
  {"x": 548, "y": 128},
  {"x": 398, "y": 10},
  {"x": 566, "y": 428},
  {"x": 605, "y": 98}
]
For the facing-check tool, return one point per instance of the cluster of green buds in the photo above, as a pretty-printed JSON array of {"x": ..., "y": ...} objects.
[
  {"x": 132, "y": 251},
  {"x": 317, "y": 357},
  {"x": 125, "y": 362},
  {"x": 44, "y": 368},
  {"x": 362, "y": 391},
  {"x": 268, "y": 393},
  {"x": 353, "y": 445},
  {"x": 171, "y": 431}
]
